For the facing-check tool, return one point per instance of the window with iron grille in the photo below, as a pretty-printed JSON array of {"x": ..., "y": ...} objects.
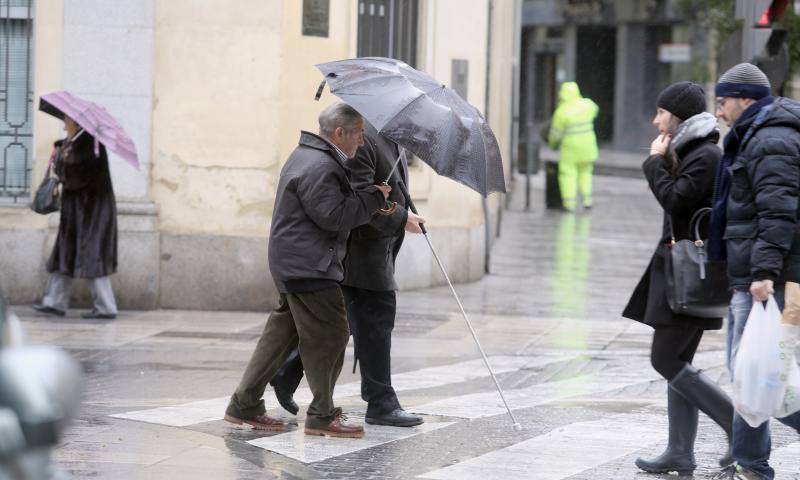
[
  {"x": 16, "y": 98},
  {"x": 388, "y": 28}
]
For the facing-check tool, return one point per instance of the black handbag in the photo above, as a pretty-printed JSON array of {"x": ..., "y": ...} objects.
[
  {"x": 695, "y": 286},
  {"x": 47, "y": 198}
]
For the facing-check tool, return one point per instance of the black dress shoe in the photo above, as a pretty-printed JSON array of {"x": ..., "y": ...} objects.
[
  {"x": 285, "y": 399},
  {"x": 396, "y": 418},
  {"x": 48, "y": 310},
  {"x": 94, "y": 314}
]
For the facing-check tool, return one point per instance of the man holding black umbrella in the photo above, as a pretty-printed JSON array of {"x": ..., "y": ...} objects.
[{"x": 369, "y": 285}]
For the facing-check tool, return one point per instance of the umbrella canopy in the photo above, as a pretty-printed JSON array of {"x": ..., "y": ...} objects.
[
  {"x": 94, "y": 119},
  {"x": 423, "y": 116}
]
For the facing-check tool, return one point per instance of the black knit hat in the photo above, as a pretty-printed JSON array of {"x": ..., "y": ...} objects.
[{"x": 683, "y": 99}]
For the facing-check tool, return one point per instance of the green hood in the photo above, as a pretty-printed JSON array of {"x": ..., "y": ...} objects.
[{"x": 569, "y": 92}]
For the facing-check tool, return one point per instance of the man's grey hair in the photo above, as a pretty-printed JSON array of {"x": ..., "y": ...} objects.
[{"x": 337, "y": 115}]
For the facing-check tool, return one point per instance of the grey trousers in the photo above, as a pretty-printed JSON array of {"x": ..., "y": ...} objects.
[{"x": 59, "y": 287}]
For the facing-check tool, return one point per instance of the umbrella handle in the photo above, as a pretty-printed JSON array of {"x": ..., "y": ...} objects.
[
  {"x": 403, "y": 188},
  {"x": 319, "y": 90},
  {"x": 387, "y": 205}
]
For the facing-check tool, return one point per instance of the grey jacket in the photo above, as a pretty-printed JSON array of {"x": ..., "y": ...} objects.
[
  {"x": 373, "y": 247},
  {"x": 315, "y": 209}
]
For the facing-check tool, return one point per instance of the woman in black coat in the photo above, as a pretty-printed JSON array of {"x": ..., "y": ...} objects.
[
  {"x": 680, "y": 171},
  {"x": 86, "y": 244}
]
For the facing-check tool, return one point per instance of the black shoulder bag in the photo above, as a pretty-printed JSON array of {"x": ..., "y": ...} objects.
[
  {"x": 47, "y": 198},
  {"x": 695, "y": 286}
]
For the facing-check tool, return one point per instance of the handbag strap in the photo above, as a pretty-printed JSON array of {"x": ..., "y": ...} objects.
[
  {"x": 694, "y": 223},
  {"x": 671, "y": 232}
]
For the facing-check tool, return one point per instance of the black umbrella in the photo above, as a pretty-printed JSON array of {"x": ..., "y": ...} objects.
[
  {"x": 433, "y": 122},
  {"x": 423, "y": 116}
]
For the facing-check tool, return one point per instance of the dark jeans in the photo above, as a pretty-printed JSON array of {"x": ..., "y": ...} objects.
[
  {"x": 751, "y": 446},
  {"x": 313, "y": 322},
  {"x": 371, "y": 315},
  {"x": 673, "y": 347}
]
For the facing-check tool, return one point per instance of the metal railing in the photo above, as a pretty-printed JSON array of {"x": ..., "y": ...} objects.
[{"x": 16, "y": 99}]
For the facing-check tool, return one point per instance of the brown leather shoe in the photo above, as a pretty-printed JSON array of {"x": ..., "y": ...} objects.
[
  {"x": 337, "y": 428},
  {"x": 260, "y": 422}
]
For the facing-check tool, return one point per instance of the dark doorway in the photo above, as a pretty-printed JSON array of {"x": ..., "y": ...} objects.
[
  {"x": 538, "y": 82},
  {"x": 388, "y": 28},
  {"x": 546, "y": 86},
  {"x": 595, "y": 72}
]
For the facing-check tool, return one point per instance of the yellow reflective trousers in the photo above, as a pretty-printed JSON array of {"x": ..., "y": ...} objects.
[{"x": 572, "y": 133}]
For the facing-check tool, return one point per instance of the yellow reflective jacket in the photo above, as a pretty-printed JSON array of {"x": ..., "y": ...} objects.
[{"x": 572, "y": 127}]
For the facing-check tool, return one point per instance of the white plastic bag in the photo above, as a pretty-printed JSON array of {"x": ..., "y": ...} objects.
[
  {"x": 759, "y": 372},
  {"x": 791, "y": 398}
]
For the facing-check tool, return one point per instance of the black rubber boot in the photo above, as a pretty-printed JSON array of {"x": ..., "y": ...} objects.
[
  {"x": 709, "y": 398},
  {"x": 679, "y": 455}
]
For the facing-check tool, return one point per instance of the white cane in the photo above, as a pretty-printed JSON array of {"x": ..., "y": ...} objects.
[{"x": 410, "y": 204}]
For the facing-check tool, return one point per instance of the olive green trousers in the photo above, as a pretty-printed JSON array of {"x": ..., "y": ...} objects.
[{"x": 316, "y": 324}]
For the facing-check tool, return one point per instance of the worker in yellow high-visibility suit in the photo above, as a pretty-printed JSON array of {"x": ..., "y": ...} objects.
[{"x": 572, "y": 133}]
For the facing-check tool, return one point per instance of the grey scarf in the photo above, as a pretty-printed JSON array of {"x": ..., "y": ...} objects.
[{"x": 697, "y": 126}]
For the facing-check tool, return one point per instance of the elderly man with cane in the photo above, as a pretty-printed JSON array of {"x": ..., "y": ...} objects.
[
  {"x": 369, "y": 286},
  {"x": 315, "y": 209}
]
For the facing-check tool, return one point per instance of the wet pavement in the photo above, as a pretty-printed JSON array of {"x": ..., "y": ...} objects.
[{"x": 576, "y": 374}]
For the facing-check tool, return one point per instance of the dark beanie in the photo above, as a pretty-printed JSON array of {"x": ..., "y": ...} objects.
[
  {"x": 744, "y": 80},
  {"x": 683, "y": 99}
]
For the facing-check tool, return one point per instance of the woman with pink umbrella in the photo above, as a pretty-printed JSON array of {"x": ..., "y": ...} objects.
[{"x": 86, "y": 245}]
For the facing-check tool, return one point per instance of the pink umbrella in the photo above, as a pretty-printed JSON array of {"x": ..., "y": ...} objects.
[{"x": 94, "y": 119}]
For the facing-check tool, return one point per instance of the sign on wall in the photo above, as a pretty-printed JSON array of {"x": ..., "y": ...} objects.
[
  {"x": 316, "y": 17},
  {"x": 674, "y": 53}
]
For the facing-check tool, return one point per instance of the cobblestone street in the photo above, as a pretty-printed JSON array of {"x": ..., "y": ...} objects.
[{"x": 577, "y": 375}]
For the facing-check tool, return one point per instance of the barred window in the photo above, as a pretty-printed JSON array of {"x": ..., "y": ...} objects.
[
  {"x": 16, "y": 98},
  {"x": 388, "y": 28}
]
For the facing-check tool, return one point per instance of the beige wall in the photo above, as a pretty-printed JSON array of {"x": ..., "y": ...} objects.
[
  {"x": 215, "y": 132},
  {"x": 233, "y": 88},
  {"x": 299, "y": 78},
  {"x": 503, "y": 63},
  {"x": 504, "y": 66},
  {"x": 232, "y": 85}
]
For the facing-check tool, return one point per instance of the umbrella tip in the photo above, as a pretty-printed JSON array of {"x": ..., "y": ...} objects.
[{"x": 517, "y": 427}]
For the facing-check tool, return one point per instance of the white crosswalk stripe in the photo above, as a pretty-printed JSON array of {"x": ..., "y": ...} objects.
[
  {"x": 192, "y": 413},
  {"x": 487, "y": 404},
  {"x": 611, "y": 438},
  {"x": 307, "y": 449}
]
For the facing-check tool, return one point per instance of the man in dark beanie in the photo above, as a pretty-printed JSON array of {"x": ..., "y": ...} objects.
[{"x": 755, "y": 211}]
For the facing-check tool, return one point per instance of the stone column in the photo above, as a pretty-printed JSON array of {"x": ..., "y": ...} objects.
[
  {"x": 108, "y": 58},
  {"x": 570, "y": 56},
  {"x": 629, "y": 119}
]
